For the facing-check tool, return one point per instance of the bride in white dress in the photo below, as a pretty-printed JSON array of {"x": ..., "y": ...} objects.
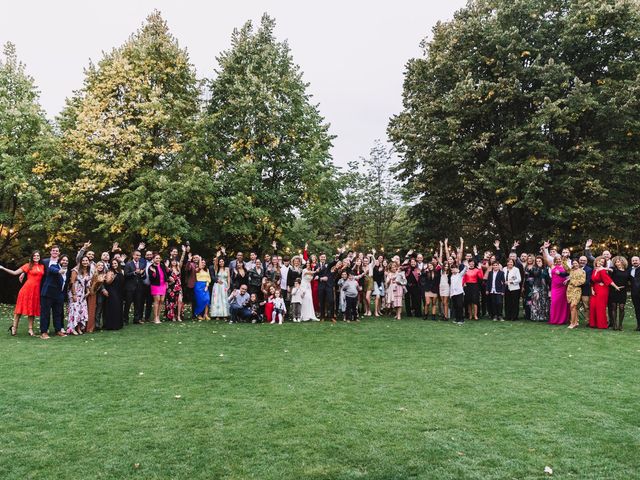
[{"x": 308, "y": 312}]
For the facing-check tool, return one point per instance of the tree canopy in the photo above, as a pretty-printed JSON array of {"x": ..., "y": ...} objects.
[{"x": 522, "y": 120}]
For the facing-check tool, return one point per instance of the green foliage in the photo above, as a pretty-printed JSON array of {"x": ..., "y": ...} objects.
[
  {"x": 523, "y": 121},
  {"x": 27, "y": 161},
  {"x": 267, "y": 142},
  {"x": 375, "y": 216},
  {"x": 379, "y": 400},
  {"x": 125, "y": 132}
]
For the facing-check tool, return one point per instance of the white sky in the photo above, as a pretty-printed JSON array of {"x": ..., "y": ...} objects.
[{"x": 352, "y": 53}]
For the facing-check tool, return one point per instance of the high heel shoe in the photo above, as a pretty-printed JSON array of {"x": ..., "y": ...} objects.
[{"x": 13, "y": 331}]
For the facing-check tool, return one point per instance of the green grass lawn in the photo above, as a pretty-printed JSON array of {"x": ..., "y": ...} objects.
[{"x": 377, "y": 400}]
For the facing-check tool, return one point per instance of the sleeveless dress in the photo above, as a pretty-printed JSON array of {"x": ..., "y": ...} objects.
[
  {"x": 219, "y": 298},
  {"x": 78, "y": 310},
  {"x": 308, "y": 311},
  {"x": 201, "y": 295},
  {"x": 113, "y": 305},
  {"x": 28, "y": 302},
  {"x": 559, "y": 306},
  {"x": 173, "y": 295}
]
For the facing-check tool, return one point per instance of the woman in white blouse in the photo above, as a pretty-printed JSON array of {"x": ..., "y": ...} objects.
[{"x": 512, "y": 291}]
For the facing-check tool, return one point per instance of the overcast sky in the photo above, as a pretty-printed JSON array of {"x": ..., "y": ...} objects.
[{"x": 353, "y": 53}]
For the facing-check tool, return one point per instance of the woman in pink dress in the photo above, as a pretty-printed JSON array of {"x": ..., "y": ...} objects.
[
  {"x": 158, "y": 276},
  {"x": 28, "y": 302},
  {"x": 559, "y": 313}
]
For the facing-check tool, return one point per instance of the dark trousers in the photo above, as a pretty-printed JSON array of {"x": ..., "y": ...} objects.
[
  {"x": 136, "y": 298},
  {"x": 495, "y": 305},
  {"x": 240, "y": 313},
  {"x": 352, "y": 308},
  {"x": 49, "y": 306},
  {"x": 456, "y": 302},
  {"x": 511, "y": 304},
  {"x": 326, "y": 300},
  {"x": 187, "y": 297},
  {"x": 635, "y": 298},
  {"x": 413, "y": 301},
  {"x": 148, "y": 301},
  {"x": 484, "y": 300}
]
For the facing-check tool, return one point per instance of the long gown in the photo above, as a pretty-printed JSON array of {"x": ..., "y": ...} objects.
[
  {"x": 308, "y": 309},
  {"x": 78, "y": 310},
  {"x": 538, "y": 298},
  {"x": 559, "y": 305},
  {"x": 219, "y": 296},
  {"x": 113, "y": 304},
  {"x": 201, "y": 296},
  {"x": 600, "y": 282}
]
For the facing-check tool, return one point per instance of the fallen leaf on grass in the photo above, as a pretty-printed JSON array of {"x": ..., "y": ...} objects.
[
  {"x": 221, "y": 355},
  {"x": 461, "y": 454},
  {"x": 179, "y": 343},
  {"x": 141, "y": 373},
  {"x": 286, "y": 351},
  {"x": 548, "y": 470},
  {"x": 136, "y": 465},
  {"x": 178, "y": 397}
]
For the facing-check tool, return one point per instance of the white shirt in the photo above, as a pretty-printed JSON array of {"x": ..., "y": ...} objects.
[
  {"x": 284, "y": 271},
  {"x": 493, "y": 282},
  {"x": 456, "y": 282}
]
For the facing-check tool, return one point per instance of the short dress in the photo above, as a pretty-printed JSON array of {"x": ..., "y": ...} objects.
[
  {"x": 445, "y": 287},
  {"x": 574, "y": 289},
  {"x": 161, "y": 289},
  {"x": 28, "y": 302}
]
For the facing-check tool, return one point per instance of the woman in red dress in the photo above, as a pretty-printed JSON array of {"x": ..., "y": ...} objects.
[
  {"x": 28, "y": 302},
  {"x": 600, "y": 282}
]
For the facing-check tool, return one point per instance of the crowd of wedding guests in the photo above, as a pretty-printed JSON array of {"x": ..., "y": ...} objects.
[{"x": 452, "y": 284}]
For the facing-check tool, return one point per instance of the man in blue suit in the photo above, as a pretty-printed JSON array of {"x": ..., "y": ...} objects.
[{"x": 53, "y": 291}]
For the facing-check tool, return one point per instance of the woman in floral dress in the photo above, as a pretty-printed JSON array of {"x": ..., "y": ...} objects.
[{"x": 78, "y": 291}]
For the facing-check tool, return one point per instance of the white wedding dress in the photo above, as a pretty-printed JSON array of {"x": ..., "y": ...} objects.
[{"x": 308, "y": 312}]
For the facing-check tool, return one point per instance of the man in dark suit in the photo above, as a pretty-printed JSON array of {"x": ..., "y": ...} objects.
[
  {"x": 53, "y": 292},
  {"x": 326, "y": 286},
  {"x": 134, "y": 274},
  {"x": 495, "y": 290},
  {"x": 634, "y": 273}
]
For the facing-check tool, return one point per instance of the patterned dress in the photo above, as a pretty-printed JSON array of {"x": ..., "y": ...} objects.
[
  {"x": 78, "y": 310},
  {"x": 538, "y": 297},
  {"x": 219, "y": 296},
  {"x": 574, "y": 289},
  {"x": 174, "y": 290}
]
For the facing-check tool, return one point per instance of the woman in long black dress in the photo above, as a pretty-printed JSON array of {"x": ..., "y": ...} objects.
[
  {"x": 114, "y": 285},
  {"x": 618, "y": 297}
]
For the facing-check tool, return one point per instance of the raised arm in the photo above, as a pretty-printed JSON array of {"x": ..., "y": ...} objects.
[
  {"x": 587, "y": 251},
  {"x": 545, "y": 253},
  {"x": 461, "y": 250}
]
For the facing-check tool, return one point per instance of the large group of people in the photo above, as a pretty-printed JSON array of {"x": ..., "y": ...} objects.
[{"x": 453, "y": 284}]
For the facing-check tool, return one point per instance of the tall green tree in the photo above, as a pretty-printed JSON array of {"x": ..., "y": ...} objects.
[
  {"x": 375, "y": 217},
  {"x": 265, "y": 144},
  {"x": 27, "y": 161},
  {"x": 522, "y": 120},
  {"x": 126, "y": 131}
]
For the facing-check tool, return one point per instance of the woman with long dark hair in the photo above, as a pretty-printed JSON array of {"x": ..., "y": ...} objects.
[
  {"x": 28, "y": 302},
  {"x": 78, "y": 291},
  {"x": 114, "y": 286},
  {"x": 158, "y": 278}
]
